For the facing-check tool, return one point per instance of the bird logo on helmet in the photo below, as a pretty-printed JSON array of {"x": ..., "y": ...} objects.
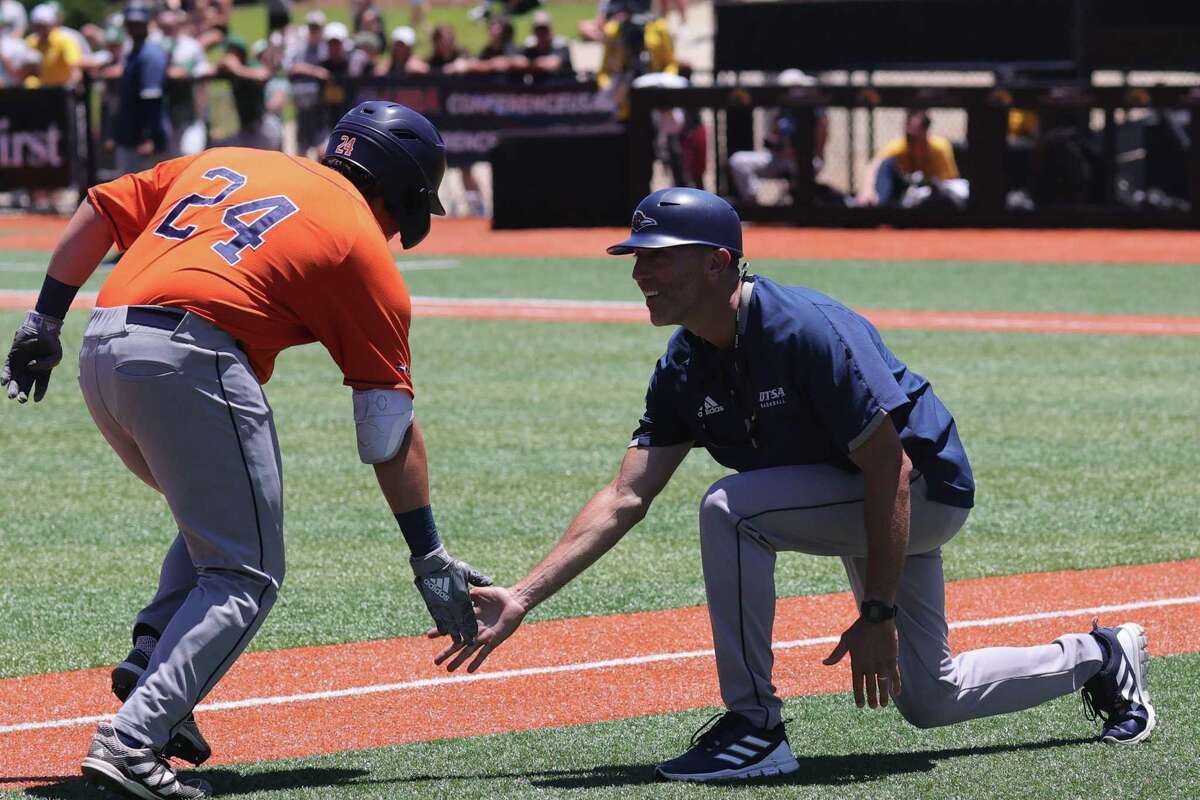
[
  {"x": 678, "y": 216},
  {"x": 403, "y": 152}
]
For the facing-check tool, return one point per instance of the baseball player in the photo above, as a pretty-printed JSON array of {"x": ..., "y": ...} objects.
[
  {"x": 837, "y": 449},
  {"x": 229, "y": 257}
]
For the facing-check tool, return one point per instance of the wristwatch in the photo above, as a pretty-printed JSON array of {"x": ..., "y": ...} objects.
[{"x": 876, "y": 611}]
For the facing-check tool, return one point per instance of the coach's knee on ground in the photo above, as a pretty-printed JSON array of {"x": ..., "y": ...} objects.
[{"x": 926, "y": 702}]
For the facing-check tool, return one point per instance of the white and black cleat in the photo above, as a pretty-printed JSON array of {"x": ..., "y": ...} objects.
[{"x": 733, "y": 749}]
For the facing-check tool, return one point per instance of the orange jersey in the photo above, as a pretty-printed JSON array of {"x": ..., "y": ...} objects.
[{"x": 274, "y": 250}]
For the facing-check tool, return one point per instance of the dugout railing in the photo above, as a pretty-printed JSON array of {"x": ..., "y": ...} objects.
[{"x": 983, "y": 152}]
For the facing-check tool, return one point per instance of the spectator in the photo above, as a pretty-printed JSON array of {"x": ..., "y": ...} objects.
[
  {"x": 916, "y": 157},
  {"x": 13, "y": 17},
  {"x": 269, "y": 53},
  {"x": 248, "y": 80},
  {"x": 60, "y": 54},
  {"x": 371, "y": 21},
  {"x": 186, "y": 61},
  {"x": 778, "y": 158},
  {"x": 140, "y": 126},
  {"x": 634, "y": 44},
  {"x": 498, "y": 57},
  {"x": 81, "y": 41},
  {"x": 13, "y": 55},
  {"x": 303, "y": 65},
  {"x": 402, "y": 61},
  {"x": 547, "y": 55},
  {"x": 336, "y": 65},
  {"x": 279, "y": 15},
  {"x": 446, "y": 55},
  {"x": 364, "y": 56}
]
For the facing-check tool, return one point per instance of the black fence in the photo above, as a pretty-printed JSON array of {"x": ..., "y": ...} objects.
[
  {"x": 985, "y": 157},
  {"x": 44, "y": 140}
]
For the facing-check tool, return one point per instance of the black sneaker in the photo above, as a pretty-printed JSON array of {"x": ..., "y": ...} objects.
[
  {"x": 136, "y": 772},
  {"x": 1118, "y": 694},
  {"x": 733, "y": 748},
  {"x": 187, "y": 743}
]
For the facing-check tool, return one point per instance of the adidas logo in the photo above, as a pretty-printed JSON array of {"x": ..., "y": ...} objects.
[
  {"x": 439, "y": 586},
  {"x": 748, "y": 748},
  {"x": 710, "y": 407}
]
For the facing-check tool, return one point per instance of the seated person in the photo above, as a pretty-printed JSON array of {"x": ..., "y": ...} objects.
[
  {"x": 894, "y": 167},
  {"x": 777, "y": 159}
]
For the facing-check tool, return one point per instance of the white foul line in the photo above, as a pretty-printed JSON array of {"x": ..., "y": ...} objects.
[{"x": 424, "y": 683}]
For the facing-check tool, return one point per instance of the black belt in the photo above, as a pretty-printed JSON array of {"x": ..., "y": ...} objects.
[{"x": 161, "y": 317}]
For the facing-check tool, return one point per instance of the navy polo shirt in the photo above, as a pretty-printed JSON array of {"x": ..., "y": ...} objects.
[
  {"x": 806, "y": 384},
  {"x": 142, "y": 114}
]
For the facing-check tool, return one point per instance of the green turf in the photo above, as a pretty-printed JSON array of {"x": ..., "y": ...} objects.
[
  {"x": 1047, "y": 753},
  {"x": 952, "y": 285},
  {"x": 250, "y": 21},
  {"x": 1080, "y": 447}
]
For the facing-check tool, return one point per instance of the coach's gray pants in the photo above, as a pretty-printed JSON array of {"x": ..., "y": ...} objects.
[
  {"x": 746, "y": 518},
  {"x": 185, "y": 413}
]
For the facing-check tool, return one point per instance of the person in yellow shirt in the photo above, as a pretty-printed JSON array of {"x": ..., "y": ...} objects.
[
  {"x": 917, "y": 151},
  {"x": 61, "y": 56},
  {"x": 634, "y": 44}
]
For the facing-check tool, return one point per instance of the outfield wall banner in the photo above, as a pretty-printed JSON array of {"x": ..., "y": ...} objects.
[
  {"x": 471, "y": 114},
  {"x": 38, "y": 136}
]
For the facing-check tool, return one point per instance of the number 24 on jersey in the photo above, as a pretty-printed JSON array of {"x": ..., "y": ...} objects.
[{"x": 265, "y": 213}]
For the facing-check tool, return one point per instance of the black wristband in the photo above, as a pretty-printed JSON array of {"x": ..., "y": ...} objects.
[
  {"x": 55, "y": 298},
  {"x": 419, "y": 531},
  {"x": 876, "y": 611}
]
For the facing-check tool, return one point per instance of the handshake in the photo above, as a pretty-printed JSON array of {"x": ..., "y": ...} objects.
[{"x": 476, "y": 619}]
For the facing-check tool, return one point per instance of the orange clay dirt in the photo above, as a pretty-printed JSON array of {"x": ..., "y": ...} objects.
[{"x": 514, "y": 691}]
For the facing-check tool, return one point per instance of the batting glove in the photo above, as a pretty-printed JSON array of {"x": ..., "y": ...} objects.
[
  {"x": 35, "y": 351},
  {"x": 444, "y": 583}
]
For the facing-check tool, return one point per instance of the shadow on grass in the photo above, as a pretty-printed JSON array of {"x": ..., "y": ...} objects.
[
  {"x": 814, "y": 770},
  {"x": 826, "y": 770},
  {"x": 225, "y": 782}
]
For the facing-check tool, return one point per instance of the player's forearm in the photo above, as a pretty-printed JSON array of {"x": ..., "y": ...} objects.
[
  {"x": 404, "y": 479},
  {"x": 595, "y": 530},
  {"x": 85, "y": 241},
  {"x": 886, "y": 516}
]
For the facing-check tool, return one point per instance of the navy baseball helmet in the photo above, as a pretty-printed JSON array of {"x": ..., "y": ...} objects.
[
  {"x": 404, "y": 152},
  {"x": 676, "y": 216}
]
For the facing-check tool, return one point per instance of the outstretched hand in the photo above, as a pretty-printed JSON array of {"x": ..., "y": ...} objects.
[
  {"x": 444, "y": 582},
  {"x": 873, "y": 650},
  {"x": 498, "y": 613}
]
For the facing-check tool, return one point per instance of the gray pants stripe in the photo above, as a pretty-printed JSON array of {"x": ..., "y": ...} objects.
[
  {"x": 200, "y": 437},
  {"x": 747, "y": 518}
]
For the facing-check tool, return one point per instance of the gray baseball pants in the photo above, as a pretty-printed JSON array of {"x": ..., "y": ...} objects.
[
  {"x": 746, "y": 518},
  {"x": 184, "y": 411}
]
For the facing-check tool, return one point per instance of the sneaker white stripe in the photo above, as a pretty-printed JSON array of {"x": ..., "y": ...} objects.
[
  {"x": 741, "y": 751},
  {"x": 737, "y": 762},
  {"x": 754, "y": 740}
]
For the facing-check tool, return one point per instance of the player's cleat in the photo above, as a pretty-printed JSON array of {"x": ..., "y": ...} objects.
[
  {"x": 187, "y": 743},
  {"x": 136, "y": 772},
  {"x": 731, "y": 749},
  {"x": 126, "y": 674},
  {"x": 1118, "y": 694}
]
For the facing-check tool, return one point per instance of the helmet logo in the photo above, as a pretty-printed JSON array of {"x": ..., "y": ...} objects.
[
  {"x": 641, "y": 221},
  {"x": 345, "y": 146}
]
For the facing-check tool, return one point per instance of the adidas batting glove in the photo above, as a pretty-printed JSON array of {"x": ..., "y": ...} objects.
[
  {"x": 444, "y": 583},
  {"x": 35, "y": 351}
]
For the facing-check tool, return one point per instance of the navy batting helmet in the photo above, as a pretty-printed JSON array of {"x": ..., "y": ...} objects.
[
  {"x": 676, "y": 216},
  {"x": 403, "y": 152}
]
